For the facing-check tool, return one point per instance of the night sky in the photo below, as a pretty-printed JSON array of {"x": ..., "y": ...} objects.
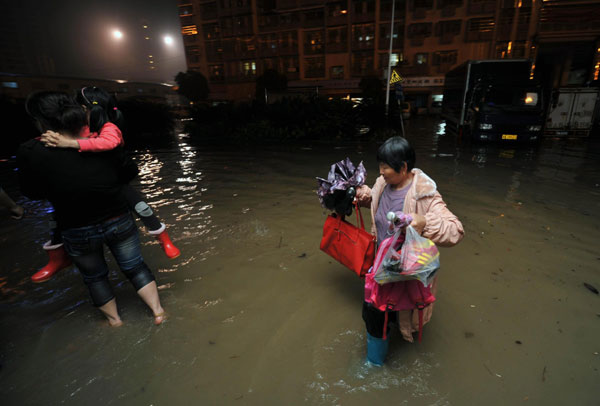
[{"x": 76, "y": 37}]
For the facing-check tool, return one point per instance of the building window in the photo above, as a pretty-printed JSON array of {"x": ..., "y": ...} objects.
[
  {"x": 363, "y": 36},
  {"x": 266, "y": 5},
  {"x": 189, "y": 30},
  {"x": 396, "y": 59},
  {"x": 480, "y": 29},
  {"x": 423, "y": 4},
  {"x": 193, "y": 54},
  {"x": 362, "y": 63},
  {"x": 314, "y": 67},
  {"x": 384, "y": 36},
  {"x": 288, "y": 42},
  {"x": 337, "y": 9},
  {"x": 313, "y": 18},
  {"x": 337, "y": 39},
  {"x": 214, "y": 50},
  {"x": 186, "y": 20},
  {"x": 518, "y": 49},
  {"x": 419, "y": 30},
  {"x": 248, "y": 68},
  {"x": 186, "y": 10},
  {"x": 210, "y": 31},
  {"x": 336, "y": 72},
  {"x": 444, "y": 58},
  {"x": 481, "y": 7},
  {"x": 290, "y": 64},
  {"x": 208, "y": 11},
  {"x": 269, "y": 43},
  {"x": 10, "y": 85},
  {"x": 216, "y": 72},
  {"x": 291, "y": 19},
  {"x": 421, "y": 59},
  {"x": 313, "y": 42},
  {"x": 449, "y": 3},
  {"x": 269, "y": 63},
  {"x": 447, "y": 28},
  {"x": 363, "y": 7},
  {"x": 267, "y": 22}
]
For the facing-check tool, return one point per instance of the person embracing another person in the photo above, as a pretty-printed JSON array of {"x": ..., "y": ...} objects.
[
  {"x": 87, "y": 193},
  {"x": 403, "y": 188},
  {"x": 100, "y": 134}
]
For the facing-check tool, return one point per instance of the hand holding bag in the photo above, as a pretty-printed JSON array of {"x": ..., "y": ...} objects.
[{"x": 352, "y": 246}]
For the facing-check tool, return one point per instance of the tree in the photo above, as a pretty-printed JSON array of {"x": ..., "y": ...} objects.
[
  {"x": 372, "y": 88},
  {"x": 272, "y": 81},
  {"x": 192, "y": 85}
]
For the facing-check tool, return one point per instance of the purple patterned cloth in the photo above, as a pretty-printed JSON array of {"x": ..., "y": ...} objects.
[{"x": 342, "y": 175}]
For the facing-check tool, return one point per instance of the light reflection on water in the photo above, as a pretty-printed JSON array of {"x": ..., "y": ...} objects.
[{"x": 260, "y": 316}]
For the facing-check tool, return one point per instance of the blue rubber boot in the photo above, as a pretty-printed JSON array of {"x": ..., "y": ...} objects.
[{"x": 377, "y": 349}]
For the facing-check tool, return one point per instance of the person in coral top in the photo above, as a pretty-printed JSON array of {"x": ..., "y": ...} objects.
[{"x": 102, "y": 134}]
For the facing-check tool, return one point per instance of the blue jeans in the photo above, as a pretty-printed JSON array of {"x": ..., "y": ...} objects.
[{"x": 85, "y": 246}]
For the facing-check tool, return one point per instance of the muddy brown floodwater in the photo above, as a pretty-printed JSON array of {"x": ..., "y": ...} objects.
[{"x": 259, "y": 316}]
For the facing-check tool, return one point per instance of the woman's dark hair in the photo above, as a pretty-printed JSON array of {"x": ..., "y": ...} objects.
[
  {"x": 55, "y": 111},
  {"x": 101, "y": 105},
  {"x": 395, "y": 152}
]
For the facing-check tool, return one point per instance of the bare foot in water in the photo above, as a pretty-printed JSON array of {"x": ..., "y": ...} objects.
[
  {"x": 160, "y": 318},
  {"x": 114, "y": 322}
]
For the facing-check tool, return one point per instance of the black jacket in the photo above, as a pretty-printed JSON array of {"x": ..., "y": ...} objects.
[{"x": 85, "y": 188}]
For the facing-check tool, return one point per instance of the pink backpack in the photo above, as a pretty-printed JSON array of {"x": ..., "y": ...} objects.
[{"x": 395, "y": 296}]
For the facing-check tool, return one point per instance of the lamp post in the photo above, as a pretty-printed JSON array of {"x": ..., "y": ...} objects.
[{"x": 389, "y": 68}]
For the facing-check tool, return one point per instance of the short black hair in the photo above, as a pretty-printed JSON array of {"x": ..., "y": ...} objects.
[
  {"x": 55, "y": 111},
  {"x": 395, "y": 152}
]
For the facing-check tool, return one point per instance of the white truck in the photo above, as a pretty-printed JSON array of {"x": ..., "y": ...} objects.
[{"x": 571, "y": 112}]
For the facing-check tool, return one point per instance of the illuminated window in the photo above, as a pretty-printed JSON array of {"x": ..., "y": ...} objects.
[
  {"x": 480, "y": 29},
  {"x": 421, "y": 59},
  {"x": 313, "y": 42},
  {"x": 10, "y": 85},
  {"x": 189, "y": 30},
  {"x": 248, "y": 68}
]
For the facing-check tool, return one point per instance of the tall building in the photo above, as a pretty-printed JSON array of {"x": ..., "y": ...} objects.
[{"x": 328, "y": 45}]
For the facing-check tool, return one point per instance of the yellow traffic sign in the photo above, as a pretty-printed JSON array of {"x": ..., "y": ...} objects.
[{"x": 395, "y": 77}]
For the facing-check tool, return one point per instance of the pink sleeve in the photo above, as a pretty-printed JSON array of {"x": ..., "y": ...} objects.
[
  {"x": 109, "y": 138},
  {"x": 442, "y": 226}
]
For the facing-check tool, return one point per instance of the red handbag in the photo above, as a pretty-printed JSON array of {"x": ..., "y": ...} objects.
[{"x": 350, "y": 245}]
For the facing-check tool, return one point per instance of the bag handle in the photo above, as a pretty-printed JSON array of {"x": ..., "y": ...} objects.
[{"x": 359, "y": 217}]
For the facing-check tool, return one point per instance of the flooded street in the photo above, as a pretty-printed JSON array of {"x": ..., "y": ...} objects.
[{"x": 260, "y": 316}]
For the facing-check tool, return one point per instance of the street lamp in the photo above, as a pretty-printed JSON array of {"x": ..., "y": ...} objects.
[
  {"x": 168, "y": 40},
  {"x": 117, "y": 34}
]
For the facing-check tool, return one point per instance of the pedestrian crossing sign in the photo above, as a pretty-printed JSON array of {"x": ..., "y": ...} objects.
[{"x": 395, "y": 77}]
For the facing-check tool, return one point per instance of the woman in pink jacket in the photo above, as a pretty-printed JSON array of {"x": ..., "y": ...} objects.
[{"x": 402, "y": 187}]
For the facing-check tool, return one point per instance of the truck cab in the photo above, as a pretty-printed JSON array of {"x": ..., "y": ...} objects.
[{"x": 494, "y": 100}]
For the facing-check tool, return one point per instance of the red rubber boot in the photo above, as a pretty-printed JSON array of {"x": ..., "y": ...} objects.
[
  {"x": 58, "y": 259},
  {"x": 167, "y": 245}
]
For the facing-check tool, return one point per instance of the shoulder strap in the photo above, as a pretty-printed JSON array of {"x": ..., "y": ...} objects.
[{"x": 359, "y": 217}]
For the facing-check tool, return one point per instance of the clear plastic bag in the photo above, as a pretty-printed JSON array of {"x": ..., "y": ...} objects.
[{"x": 418, "y": 259}]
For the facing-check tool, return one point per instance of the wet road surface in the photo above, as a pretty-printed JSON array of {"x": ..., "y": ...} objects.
[{"x": 258, "y": 315}]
